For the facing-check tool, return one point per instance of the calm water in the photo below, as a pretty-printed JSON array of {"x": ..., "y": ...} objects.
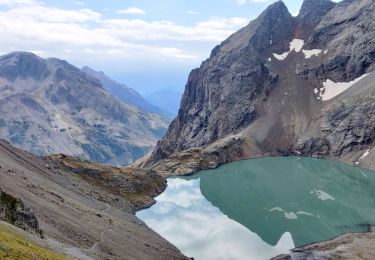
[{"x": 260, "y": 208}]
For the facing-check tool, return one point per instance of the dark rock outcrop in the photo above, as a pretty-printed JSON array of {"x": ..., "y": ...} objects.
[{"x": 14, "y": 212}]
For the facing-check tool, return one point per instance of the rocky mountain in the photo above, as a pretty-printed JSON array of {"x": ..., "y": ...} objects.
[
  {"x": 49, "y": 106},
  {"x": 125, "y": 93},
  {"x": 282, "y": 85},
  {"x": 169, "y": 100},
  {"x": 78, "y": 209}
]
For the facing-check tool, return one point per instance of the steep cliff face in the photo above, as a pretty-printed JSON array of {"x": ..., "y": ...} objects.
[
  {"x": 282, "y": 85},
  {"x": 219, "y": 96},
  {"x": 49, "y": 106}
]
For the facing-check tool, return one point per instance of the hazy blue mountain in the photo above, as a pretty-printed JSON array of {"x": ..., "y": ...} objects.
[
  {"x": 125, "y": 93},
  {"x": 168, "y": 100}
]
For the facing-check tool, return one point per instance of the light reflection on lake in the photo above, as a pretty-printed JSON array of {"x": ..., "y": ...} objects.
[{"x": 184, "y": 217}]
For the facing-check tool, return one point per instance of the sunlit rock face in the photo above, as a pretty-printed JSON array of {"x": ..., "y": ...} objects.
[
  {"x": 49, "y": 106},
  {"x": 284, "y": 85}
]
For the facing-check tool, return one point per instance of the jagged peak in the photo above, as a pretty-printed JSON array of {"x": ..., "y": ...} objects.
[
  {"x": 279, "y": 7},
  {"x": 310, "y": 7},
  {"x": 310, "y": 15}
]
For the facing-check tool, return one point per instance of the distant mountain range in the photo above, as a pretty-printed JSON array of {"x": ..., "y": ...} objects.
[
  {"x": 49, "y": 106},
  {"x": 127, "y": 94},
  {"x": 168, "y": 100}
]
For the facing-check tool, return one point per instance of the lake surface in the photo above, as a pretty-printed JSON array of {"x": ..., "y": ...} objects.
[{"x": 261, "y": 208}]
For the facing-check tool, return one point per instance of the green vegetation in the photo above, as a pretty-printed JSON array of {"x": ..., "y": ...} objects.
[{"x": 15, "y": 246}]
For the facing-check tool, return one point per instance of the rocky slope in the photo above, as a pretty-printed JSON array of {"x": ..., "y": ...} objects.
[
  {"x": 84, "y": 210},
  {"x": 348, "y": 247},
  {"x": 282, "y": 85},
  {"x": 125, "y": 93},
  {"x": 49, "y": 106}
]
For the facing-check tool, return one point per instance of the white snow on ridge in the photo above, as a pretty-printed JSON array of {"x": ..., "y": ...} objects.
[
  {"x": 365, "y": 154},
  {"x": 281, "y": 56},
  {"x": 295, "y": 45},
  {"x": 332, "y": 89},
  {"x": 363, "y": 157},
  {"x": 310, "y": 53}
]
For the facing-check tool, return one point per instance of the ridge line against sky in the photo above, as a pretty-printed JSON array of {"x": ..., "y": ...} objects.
[{"x": 147, "y": 44}]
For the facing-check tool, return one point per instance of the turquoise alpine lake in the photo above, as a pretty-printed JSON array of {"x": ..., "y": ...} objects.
[{"x": 258, "y": 209}]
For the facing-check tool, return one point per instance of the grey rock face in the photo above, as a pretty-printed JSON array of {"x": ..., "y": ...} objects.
[
  {"x": 49, "y": 106},
  {"x": 219, "y": 96},
  {"x": 274, "y": 105},
  {"x": 310, "y": 15},
  {"x": 347, "y": 33}
]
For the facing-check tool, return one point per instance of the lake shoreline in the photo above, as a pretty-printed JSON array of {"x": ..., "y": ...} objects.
[
  {"x": 359, "y": 235},
  {"x": 348, "y": 246}
]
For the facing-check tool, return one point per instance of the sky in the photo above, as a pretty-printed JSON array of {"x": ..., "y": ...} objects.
[{"x": 149, "y": 45}]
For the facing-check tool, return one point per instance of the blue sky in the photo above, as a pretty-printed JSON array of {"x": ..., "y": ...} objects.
[{"x": 147, "y": 44}]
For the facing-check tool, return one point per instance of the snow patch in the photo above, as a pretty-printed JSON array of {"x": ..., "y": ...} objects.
[
  {"x": 269, "y": 59},
  {"x": 332, "y": 89},
  {"x": 295, "y": 45},
  {"x": 365, "y": 155},
  {"x": 326, "y": 51},
  {"x": 290, "y": 215},
  {"x": 281, "y": 56},
  {"x": 287, "y": 215},
  {"x": 305, "y": 213},
  {"x": 322, "y": 195},
  {"x": 310, "y": 53}
]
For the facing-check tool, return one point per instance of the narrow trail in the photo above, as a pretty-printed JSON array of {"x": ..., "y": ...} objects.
[{"x": 102, "y": 234}]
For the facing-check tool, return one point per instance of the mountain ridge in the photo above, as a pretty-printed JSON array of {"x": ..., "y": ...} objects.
[
  {"x": 49, "y": 106},
  {"x": 265, "y": 92}
]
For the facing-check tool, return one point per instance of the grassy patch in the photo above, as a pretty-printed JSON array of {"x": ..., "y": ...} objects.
[{"x": 14, "y": 246}]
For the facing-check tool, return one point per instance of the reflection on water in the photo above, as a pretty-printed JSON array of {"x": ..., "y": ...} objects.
[
  {"x": 184, "y": 217},
  {"x": 260, "y": 208}
]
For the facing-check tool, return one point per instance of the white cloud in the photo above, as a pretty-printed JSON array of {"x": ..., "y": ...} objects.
[
  {"x": 44, "y": 14},
  {"x": 86, "y": 37},
  {"x": 132, "y": 10},
  {"x": 17, "y": 2},
  {"x": 213, "y": 30},
  {"x": 242, "y": 2}
]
